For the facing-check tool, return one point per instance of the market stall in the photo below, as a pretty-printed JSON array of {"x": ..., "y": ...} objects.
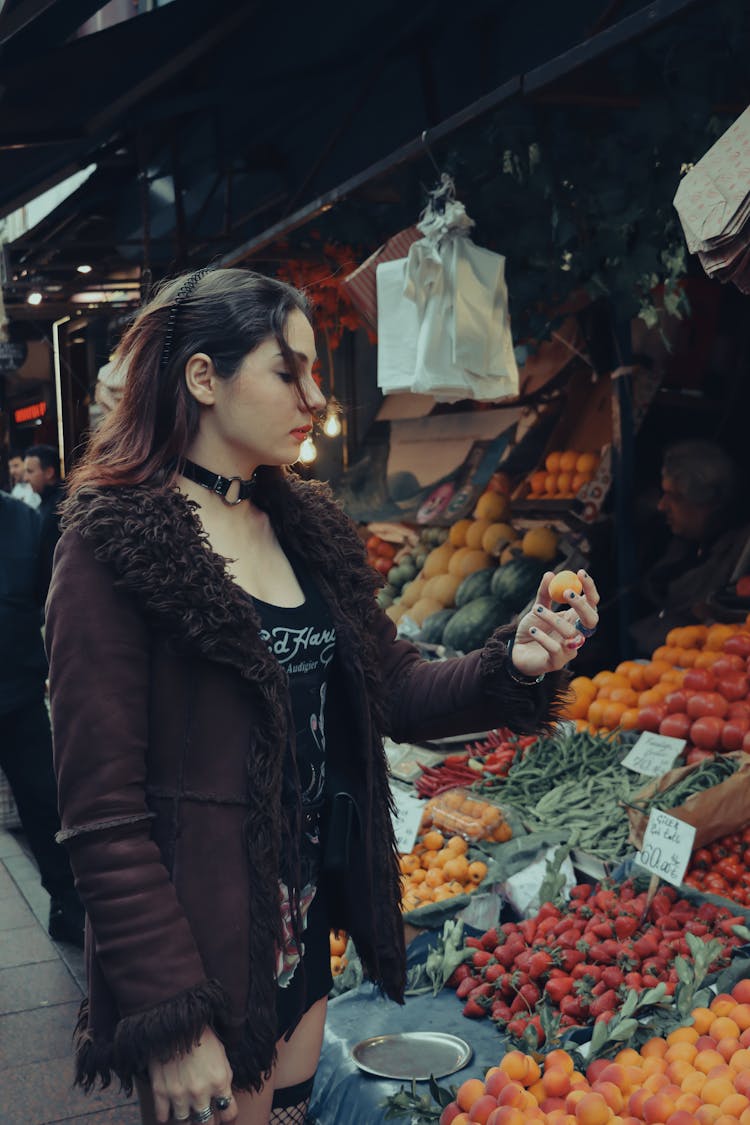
[{"x": 550, "y": 925}]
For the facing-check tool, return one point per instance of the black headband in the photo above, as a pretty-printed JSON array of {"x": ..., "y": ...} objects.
[{"x": 184, "y": 291}]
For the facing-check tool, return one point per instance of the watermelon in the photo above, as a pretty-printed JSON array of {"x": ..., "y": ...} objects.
[
  {"x": 471, "y": 625},
  {"x": 476, "y": 585},
  {"x": 434, "y": 626},
  {"x": 516, "y": 583}
]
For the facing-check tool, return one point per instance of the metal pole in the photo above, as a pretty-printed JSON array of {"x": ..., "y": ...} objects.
[{"x": 58, "y": 390}]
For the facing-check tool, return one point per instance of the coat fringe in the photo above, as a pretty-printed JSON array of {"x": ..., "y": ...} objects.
[{"x": 535, "y": 708}]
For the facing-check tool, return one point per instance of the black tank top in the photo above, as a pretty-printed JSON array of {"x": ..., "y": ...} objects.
[{"x": 303, "y": 640}]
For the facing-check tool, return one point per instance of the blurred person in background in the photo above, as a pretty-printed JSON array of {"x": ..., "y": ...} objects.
[
  {"x": 42, "y": 471},
  {"x": 699, "y": 497},
  {"x": 25, "y": 739},
  {"x": 20, "y": 487}
]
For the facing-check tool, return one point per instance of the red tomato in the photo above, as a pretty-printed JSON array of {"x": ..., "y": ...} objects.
[
  {"x": 733, "y": 686},
  {"x": 739, "y": 644},
  {"x": 386, "y": 550},
  {"x": 707, "y": 703},
  {"x": 696, "y": 755},
  {"x": 706, "y": 732},
  {"x": 729, "y": 662},
  {"x": 650, "y": 718},
  {"x": 741, "y": 709},
  {"x": 382, "y": 565},
  {"x": 676, "y": 703},
  {"x": 373, "y": 543},
  {"x": 676, "y": 726},
  {"x": 698, "y": 679},
  {"x": 746, "y": 743},
  {"x": 733, "y": 733}
]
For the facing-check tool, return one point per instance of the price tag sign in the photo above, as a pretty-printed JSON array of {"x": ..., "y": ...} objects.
[
  {"x": 654, "y": 754},
  {"x": 667, "y": 846},
  {"x": 406, "y": 819}
]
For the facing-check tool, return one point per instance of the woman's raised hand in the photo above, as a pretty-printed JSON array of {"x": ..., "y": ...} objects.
[
  {"x": 546, "y": 640},
  {"x": 189, "y": 1086}
]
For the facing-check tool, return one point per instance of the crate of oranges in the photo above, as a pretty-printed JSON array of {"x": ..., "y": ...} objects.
[
  {"x": 459, "y": 813},
  {"x": 439, "y": 868}
]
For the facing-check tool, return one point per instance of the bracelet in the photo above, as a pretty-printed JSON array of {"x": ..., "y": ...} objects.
[{"x": 516, "y": 676}]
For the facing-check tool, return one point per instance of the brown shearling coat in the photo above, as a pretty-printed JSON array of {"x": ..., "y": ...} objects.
[{"x": 170, "y": 722}]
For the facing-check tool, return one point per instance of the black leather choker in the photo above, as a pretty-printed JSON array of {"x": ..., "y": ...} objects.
[{"x": 240, "y": 489}]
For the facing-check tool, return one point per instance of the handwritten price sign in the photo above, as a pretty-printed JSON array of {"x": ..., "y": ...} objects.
[
  {"x": 667, "y": 847},
  {"x": 654, "y": 754}
]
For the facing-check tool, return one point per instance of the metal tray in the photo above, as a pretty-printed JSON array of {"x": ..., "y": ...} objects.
[{"x": 412, "y": 1054}]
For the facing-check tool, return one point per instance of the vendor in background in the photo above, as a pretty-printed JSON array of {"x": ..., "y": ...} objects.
[
  {"x": 42, "y": 469},
  {"x": 20, "y": 487},
  {"x": 698, "y": 501}
]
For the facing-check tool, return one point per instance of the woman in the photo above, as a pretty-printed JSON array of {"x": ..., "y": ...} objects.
[{"x": 221, "y": 679}]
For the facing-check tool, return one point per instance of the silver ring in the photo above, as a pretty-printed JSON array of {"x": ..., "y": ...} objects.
[
  {"x": 181, "y": 1118},
  {"x": 202, "y": 1115},
  {"x": 222, "y": 1102},
  {"x": 582, "y": 629}
]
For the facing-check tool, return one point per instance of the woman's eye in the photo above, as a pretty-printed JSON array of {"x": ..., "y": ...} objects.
[{"x": 286, "y": 376}]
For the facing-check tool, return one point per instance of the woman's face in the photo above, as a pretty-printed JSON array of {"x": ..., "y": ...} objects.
[{"x": 259, "y": 413}]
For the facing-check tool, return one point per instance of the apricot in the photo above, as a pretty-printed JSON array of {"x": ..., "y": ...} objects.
[
  {"x": 592, "y": 1109},
  {"x": 482, "y": 1108},
  {"x": 469, "y": 1092}
]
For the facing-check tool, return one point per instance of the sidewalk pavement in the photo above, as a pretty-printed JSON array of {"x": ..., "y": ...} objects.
[{"x": 41, "y": 985}]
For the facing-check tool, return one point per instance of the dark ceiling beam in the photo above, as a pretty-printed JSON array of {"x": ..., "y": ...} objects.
[
  {"x": 22, "y": 16},
  {"x": 626, "y": 31},
  {"x": 175, "y": 63},
  {"x": 37, "y": 139}
]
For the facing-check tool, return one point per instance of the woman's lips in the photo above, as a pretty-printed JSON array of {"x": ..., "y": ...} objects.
[{"x": 301, "y": 432}]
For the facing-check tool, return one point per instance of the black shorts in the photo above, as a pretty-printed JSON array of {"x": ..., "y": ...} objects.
[{"x": 312, "y": 979}]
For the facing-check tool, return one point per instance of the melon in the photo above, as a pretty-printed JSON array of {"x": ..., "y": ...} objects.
[
  {"x": 457, "y": 533},
  {"x": 511, "y": 552},
  {"x": 476, "y": 532},
  {"x": 497, "y": 536},
  {"x": 494, "y": 506},
  {"x": 437, "y": 560},
  {"x": 422, "y": 609},
  {"x": 433, "y": 626},
  {"x": 466, "y": 561},
  {"x": 395, "y": 612},
  {"x": 471, "y": 625},
  {"x": 442, "y": 588},
  {"x": 540, "y": 543},
  {"x": 412, "y": 592},
  {"x": 477, "y": 585},
  {"x": 517, "y": 582}
]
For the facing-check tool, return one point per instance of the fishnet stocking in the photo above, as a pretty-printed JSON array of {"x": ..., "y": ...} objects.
[{"x": 290, "y": 1115}]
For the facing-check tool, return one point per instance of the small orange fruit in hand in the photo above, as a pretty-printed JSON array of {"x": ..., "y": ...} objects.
[{"x": 565, "y": 580}]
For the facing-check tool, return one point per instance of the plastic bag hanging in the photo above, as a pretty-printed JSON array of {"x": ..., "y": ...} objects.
[{"x": 464, "y": 347}]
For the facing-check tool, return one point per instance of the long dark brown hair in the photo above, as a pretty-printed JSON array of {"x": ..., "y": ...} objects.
[{"x": 228, "y": 313}]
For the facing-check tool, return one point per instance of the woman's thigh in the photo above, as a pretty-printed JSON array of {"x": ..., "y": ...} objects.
[{"x": 297, "y": 1060}]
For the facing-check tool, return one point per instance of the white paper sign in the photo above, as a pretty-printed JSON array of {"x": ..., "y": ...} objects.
[
  {"x": 654, "y": 754},
  {"x": 667, "y": 847},
  {"x": 483, "y": 912},
  {"x": 406, "y": 819}
]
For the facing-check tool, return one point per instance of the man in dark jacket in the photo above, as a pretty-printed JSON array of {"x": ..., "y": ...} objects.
[
  {"x": 42, "y": 466},
  {"x": 25, "y": 740}
]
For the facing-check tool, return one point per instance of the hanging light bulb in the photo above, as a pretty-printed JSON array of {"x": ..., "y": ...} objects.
[
  {"x": 332, "y": 421},
  {"x": 307, "y": 451}
]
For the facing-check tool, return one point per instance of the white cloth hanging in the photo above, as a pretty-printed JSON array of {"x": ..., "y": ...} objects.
[{"x": 443, "y": 320}]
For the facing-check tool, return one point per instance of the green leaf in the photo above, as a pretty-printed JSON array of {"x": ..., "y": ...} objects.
[
  {"x": 599, "y": 1037},
  {"x": 442, "y": 1096},
  {"x": 624, "y": 1029},
  {"x": 630, "y": 1004},
  {"x": 653, "y": 995}
]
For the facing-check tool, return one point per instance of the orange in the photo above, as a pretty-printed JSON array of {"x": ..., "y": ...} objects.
[
  {"x": 580, "y": 480},
  {"x": 564, "y": 483},
  {"x": 552, "y": 462},
  {"x": 537, "y": 482},
  {"x": 612, "y": 713},
  {"x": 629, "y": 718},
  {"x": 569, "y": 460},
  {"x": 469, "y": 1092},
  {"x": 477, "y": 871},
  {"x": 433, "y": 840},
  {"x": 653, "y": 672},
  {"x": 587, "y": 462},
  {"x": 595, "y": 713},
  {"x": 550, "y": 485}
]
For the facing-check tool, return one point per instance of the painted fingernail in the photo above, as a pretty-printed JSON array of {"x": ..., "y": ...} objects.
[
  {"x": 540, "y": 609},
  {"x": 532, "y": 629},
  {"x": 571, "y": 594}
]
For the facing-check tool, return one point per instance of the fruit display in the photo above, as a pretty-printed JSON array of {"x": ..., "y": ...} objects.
[
  {"x": 478, "y": 574},
  {"x": 581, "y": 961},
  {"x": 564, "y": 474},
  {"x": 338, "y": 943},
  {"x": 696, "y": 687},
  {"x": 461, "y": 813},
  {"x": 698, "y": 1073},
  {"x": 438, "y": 868},
  {"x": 723, "y": 867}
]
